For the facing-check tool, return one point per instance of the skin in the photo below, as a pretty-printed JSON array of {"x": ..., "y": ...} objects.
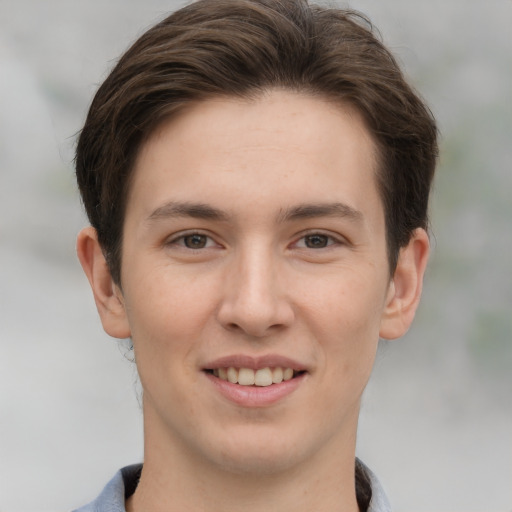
[{"x": 279, "y": 271}]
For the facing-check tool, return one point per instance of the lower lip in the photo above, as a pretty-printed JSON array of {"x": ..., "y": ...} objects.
[{"x": 255, "y": 396}]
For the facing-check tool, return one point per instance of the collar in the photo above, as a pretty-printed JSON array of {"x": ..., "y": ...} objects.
[{"x": 124, "y": 483}]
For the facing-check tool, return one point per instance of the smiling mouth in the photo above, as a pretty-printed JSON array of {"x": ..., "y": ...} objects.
[{"x": 249, "y": 377}]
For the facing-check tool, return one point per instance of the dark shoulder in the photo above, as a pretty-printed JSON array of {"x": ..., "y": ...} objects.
[{"x": 363, "y": 487}]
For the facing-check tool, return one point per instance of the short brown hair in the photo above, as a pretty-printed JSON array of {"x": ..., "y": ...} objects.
[{"x": 241, "y": 48}]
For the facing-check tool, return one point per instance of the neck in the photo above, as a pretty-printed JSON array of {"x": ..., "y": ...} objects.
[
  {"x": 173, "y": 480},
  {"x": 175, "y": 491}
]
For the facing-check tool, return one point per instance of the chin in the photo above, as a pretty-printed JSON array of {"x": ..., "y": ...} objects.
[
  {"x": 257, "y": 464},
  {"x": 256, "y": 454}
]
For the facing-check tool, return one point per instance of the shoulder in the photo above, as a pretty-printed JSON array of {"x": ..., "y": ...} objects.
[
  {"x": 378, "y": 499},
  {"x": 113, "y": 496}
]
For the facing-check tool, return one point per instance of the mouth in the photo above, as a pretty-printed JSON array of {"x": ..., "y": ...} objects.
[
  {"x": 256, "y": 382},
  {"x": 262, "y": 377}
]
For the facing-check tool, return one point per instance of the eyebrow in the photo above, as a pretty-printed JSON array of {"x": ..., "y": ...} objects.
[
  {"x": 194, "y": 210},
  {"x": 308, "y": 211},
  {"x": 207, "y": 212}
]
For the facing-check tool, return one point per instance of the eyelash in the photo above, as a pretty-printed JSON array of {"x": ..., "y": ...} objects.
[
  {"x": 180, "y": 240},
  {"x": 330, "y": 240}
]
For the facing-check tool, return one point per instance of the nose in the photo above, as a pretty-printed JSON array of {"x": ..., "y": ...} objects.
[{"x": 255, "y": 300}]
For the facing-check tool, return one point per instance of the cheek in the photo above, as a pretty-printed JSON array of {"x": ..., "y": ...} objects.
[
  {"x": 167, "y": 319},
  {"x": 346, "y": 319},
  {"x": 349, "y": 303},
  {"x": 167, "y": 314},
  {"x": 165, "y": 299}
]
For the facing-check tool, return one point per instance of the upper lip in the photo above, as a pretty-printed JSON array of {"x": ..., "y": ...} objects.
[{"x": 254, "y": 363}]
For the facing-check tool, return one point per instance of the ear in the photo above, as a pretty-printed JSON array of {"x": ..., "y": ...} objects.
[
  {"x": 405, "y": 287},
  {"x": 107, "y": 295}
]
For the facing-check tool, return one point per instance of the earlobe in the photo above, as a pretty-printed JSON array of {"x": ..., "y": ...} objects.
[
  {"x": 405, "y": 288},
  {"x": 107, "y": 295}
]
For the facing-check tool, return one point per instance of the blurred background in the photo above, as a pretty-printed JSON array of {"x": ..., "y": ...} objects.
[{"x": 436, "y": 422}]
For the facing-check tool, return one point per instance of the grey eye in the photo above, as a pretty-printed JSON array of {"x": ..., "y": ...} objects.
[
  {"x": 316, "y": 241},
  {"x": 195, "y": 241}
]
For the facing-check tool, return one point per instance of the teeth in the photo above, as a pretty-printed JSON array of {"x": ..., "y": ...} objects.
[
  {"x": 249, "y": 377},
  {"x": 277, "y": 375},
  {"x": 287, "y": 374},
  {"x": 263, "y": 377},
  {"x": 246, "y": 377},
  {"x": 232, "y": 375}
]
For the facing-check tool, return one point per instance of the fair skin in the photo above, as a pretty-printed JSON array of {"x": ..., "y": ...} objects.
[{"x": 254, "y": 238}]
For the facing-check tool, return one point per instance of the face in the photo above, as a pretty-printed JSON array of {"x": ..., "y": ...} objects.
[{"x": 254, "y": 251}]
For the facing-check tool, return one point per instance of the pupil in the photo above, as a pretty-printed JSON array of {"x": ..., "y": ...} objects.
[
  {"x": 195, "y": 241},
  {"x": 316, "y": 241}
]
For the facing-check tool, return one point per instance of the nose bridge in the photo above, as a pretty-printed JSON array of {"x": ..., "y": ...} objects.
[
  {"x": 257, "y": 274},
  {"x": 255, "y": 299}
]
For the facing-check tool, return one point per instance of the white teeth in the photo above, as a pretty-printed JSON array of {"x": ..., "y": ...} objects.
[
  {"x": 249, "y": 377},
  {"x": 287, "y": 374},
  {"x": 277, "y": 375},
  {"x": 232, "y": 375},
  {"x": 263, "y": 377},
  {"x": 222, "y": 373},
  {"x": 246, "y": 377}
]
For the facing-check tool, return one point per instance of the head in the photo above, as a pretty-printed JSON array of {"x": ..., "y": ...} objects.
[
  {"x": 257, "y": 176},
  {"x": 242, "y": 49}
]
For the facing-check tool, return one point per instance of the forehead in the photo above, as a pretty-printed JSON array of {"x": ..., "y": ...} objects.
[{"x": 230, "y": 149}]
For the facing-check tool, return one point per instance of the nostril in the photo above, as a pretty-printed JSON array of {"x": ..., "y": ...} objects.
[{"x": 254, "y": 307}]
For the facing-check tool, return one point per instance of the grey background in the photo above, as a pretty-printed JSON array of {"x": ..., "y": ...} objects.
[{"x": 436, "y": 423}]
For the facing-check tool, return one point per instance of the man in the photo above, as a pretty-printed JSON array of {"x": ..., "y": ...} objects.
[{"x": 256, "y": 173}]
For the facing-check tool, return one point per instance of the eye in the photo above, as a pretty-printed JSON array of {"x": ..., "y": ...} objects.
[
  {"x": 193, "y": 241},
  {"x": 316, "y": 241}
]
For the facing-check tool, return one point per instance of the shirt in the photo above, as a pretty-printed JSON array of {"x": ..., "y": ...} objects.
[{"x": 113, "y": 496}]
